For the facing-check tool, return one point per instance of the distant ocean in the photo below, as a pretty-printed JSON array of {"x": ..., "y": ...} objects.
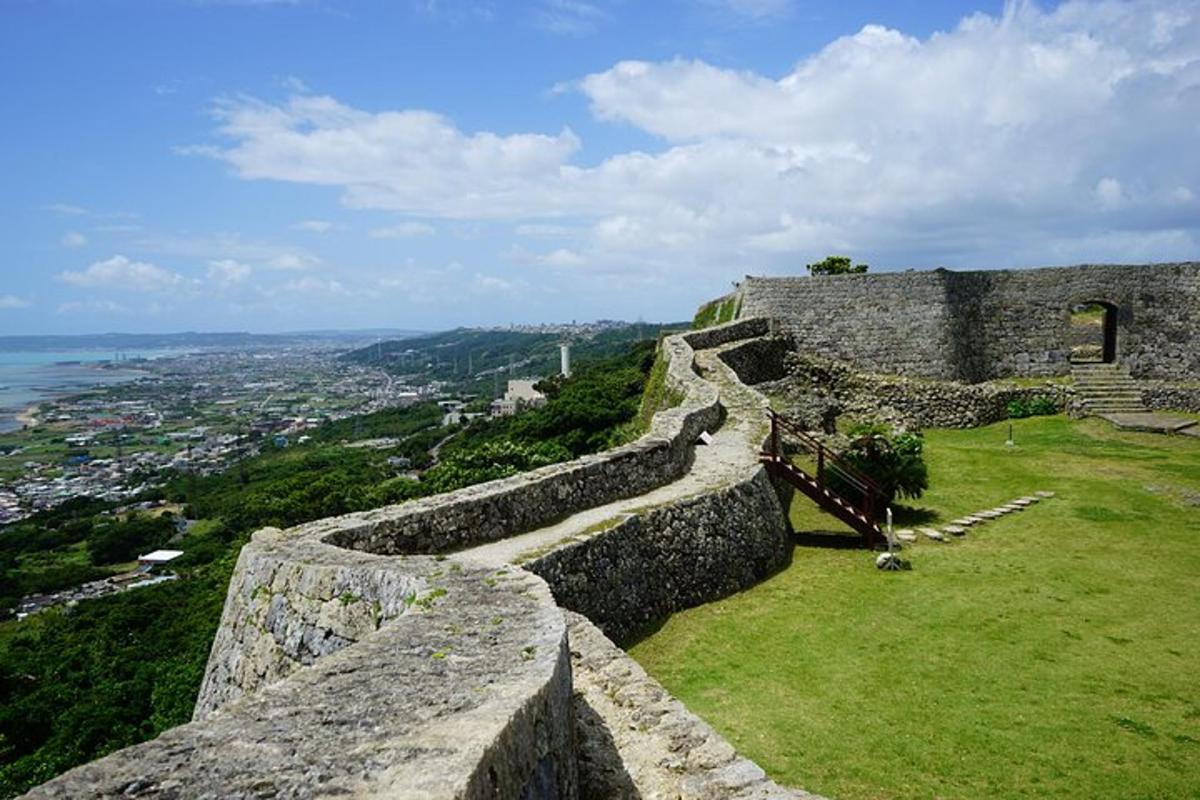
[{"x": 31, "y": 377}]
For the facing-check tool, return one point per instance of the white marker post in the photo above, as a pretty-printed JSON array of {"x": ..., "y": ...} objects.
[{"x": 888, "y": 560}]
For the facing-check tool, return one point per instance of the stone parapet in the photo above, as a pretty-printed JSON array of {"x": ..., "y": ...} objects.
[
  {"x": 463, "y": 692},
  {"x": 498, "y": 509},
  {"x": 661, "y": 560}
]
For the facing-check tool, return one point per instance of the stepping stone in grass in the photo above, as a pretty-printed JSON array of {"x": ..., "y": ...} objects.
[
  {"x": 1001, "y": 510},
  {"x": 989, "y": 514},
  {"x": 906, "y": 536},
  {"x": 1021, "y": 501},
  {"x": 1031, "y": 499},
  {"x": 933, "y": 533},
  {"x": 1044, "y": 494},
  {"x": 1012, "y": 507},
  {"x": 976, "y": 519},
  {"x": 956, "y": 530},
  {"x": 965, "y": 522}
]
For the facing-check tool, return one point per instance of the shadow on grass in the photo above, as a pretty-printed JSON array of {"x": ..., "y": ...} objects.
[
  {"x": 904, "y": 515},
  {"x": 837, "y": 540}
]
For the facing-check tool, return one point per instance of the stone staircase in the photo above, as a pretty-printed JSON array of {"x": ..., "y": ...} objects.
[{"x": 1107, "y": 389}]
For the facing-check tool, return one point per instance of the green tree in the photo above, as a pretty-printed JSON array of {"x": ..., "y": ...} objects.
[{"x": 836, "y": 265}]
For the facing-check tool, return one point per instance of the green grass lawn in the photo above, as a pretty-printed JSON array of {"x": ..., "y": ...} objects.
[{"x": 1051, "y": 653}]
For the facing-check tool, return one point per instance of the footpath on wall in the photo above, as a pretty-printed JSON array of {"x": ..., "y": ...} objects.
[{"x": 732, "y": 450}]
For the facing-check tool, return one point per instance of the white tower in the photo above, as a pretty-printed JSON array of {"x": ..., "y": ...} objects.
[{"x": 564, "y": 350}]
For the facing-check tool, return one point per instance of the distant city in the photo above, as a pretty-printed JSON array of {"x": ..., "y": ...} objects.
[{"x": 200, "y": 410}]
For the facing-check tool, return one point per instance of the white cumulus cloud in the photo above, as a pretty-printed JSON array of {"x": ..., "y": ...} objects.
[
  {"x": 411, "y": 161},
  {"x": 1030, "y": 137},
  {"x": 122, "y": 273}
]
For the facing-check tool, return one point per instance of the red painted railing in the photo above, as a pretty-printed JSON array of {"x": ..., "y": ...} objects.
[{"x": 871, "y": 495}]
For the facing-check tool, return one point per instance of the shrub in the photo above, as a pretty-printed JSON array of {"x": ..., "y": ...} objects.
[
  {"x": 1037, "y": 407},
  {"x": 893, "y": 460}
]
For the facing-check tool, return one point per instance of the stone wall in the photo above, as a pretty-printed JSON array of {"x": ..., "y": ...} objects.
[
  {"x": 1171, "y": 397},
  {"x": 976, "y": 326},
  {"x": 817, "y": 390},
  {"x": 464, "y": 692},
  {"x": 501, "y": 508},
  {"x": 661, "y": 560},
  {"x": 759, "y": 360}
]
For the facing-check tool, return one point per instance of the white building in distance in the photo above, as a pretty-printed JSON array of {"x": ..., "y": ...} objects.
[{"x": 519, "y": 395}]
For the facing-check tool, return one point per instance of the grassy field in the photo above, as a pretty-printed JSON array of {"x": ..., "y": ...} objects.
[{"x": 1052, "y": 653}]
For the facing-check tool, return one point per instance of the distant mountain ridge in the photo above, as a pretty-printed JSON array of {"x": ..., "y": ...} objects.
[
  {"x": 184, "y": 339},
  {"x": 467, "y": 356}
]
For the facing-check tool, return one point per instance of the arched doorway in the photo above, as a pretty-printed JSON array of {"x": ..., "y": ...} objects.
[{"x": 1093, "y": 332}]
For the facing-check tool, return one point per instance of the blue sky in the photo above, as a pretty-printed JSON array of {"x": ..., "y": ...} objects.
[{"x": 243, "y": 165}]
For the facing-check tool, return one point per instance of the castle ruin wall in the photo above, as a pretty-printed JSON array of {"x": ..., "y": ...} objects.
[{"x": 979, "y": 325}]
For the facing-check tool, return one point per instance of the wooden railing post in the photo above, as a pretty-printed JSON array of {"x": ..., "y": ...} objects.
[
  {"x": 774, "y": 436},
  {"x": 821, "y": 467}
]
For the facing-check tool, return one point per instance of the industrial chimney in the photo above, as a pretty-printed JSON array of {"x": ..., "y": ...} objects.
[{"x": 565, "y": 351}]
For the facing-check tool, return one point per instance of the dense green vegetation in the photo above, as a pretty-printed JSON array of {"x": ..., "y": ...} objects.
[
  {"x": 80, "y": 682},
  {"x": 1046, "y": 654},
  {"x": 77, "y": 542},
  {"x": 113, "y": 672}
]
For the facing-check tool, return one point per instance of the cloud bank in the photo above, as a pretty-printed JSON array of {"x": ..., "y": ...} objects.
[{"x": 1032, "y": 137}]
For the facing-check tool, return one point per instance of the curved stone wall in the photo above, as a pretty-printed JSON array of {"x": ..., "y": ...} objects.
[
  {"x": 980, "y": 325},
  {"x": 498, "y": 509},
  {"x": 466, "y": 692},
  {"x": 645, "y": 567},
  {"x": 342, "y": 668}
]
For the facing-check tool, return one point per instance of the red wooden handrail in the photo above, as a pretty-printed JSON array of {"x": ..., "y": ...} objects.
[{"x": 826, "y": 459}]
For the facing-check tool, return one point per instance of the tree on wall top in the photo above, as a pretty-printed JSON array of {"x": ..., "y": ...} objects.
[{"x": 836, "y": 265}]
